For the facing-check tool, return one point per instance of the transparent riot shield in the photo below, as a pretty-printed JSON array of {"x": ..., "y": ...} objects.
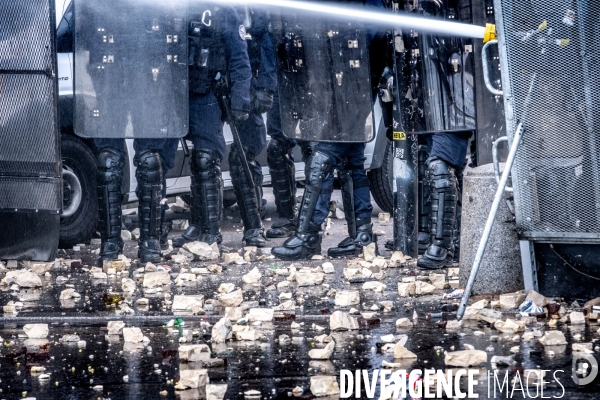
[
  {"x": 130, "y": 69},
  {"x": 30, "y": 168},
  {"x": 440, "y": 95},
  {"x": 324, "y": 81}
]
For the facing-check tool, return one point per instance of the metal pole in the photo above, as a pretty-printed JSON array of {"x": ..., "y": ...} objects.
[{"x": 490, "y": 220}]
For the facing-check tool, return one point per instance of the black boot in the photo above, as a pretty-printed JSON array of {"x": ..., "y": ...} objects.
[
  {"x": 206, "y": 200},
  {"x": 353, "y": 246},
  {"x": 249, "y": 199},
  {"x": 283, "y": 179},
  {"x": 306, "y": 242},
  {"x": 443, "y": 212},
  {"x": 149, "y": 175},
  {"x": 109, "y": 180}
]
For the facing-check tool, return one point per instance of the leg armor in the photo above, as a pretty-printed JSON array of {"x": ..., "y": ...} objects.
[
  {"x": 283, "y": 179},
  {"x": 149, "y": 175},
  {"x": 109, "y": 179},
  {"x": 443, "y": 188},
  {"x": 165, "y": 227},
  {"x": 360, "y": 232},
  {"x": 207, "y": 199},
  {"x": 307, "y": 240},
  {"x": 249, "y": 200}
]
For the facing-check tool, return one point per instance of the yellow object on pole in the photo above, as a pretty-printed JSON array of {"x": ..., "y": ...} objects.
[{"x": 490, "y": 33}]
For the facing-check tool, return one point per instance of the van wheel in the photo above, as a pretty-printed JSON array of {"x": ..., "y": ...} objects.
[
  {"x": 381, "y": 180},
  {"x": 80, "y": 202}
]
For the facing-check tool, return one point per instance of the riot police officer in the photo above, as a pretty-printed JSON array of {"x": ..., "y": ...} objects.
[
  {"x": 153, "y": 157},
  {"x": 347, "y": 158},
  {"x": 252, "y": 131},
  {"x": 217, "y": 47}
]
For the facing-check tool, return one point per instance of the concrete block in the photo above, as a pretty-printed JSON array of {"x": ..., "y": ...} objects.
[{"x": 500, "y": 270}]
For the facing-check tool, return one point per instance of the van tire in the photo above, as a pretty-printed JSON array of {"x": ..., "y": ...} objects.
[
  {"x": 79, "y": 159},
  {"x": 381, "y": 182}
]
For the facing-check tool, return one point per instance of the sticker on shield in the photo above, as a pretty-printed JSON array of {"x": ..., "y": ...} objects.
[{"x": 242, "y": 31}]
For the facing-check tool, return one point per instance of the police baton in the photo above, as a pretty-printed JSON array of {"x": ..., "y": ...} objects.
[{"x": 223, "y": 98}]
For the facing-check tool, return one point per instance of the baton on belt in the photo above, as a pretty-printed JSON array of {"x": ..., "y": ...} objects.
[{"x": 222, "y": 93}]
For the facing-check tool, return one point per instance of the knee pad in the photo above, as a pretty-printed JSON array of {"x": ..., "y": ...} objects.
[
  {"x": 441, "y": 176},
  {"x": 277, "y": 150},
  {"x": 204, "y": 160},
  {"x": 149, "y": 167},
  {"x": 110, "y": 165},
  {"x": 318, "y": 168}
]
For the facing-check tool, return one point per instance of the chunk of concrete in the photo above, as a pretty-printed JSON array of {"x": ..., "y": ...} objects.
[
  {"x": 423, "y": 288},
  {"x": 553, "y": 338},
  {"x": 511, "y": 301},
  {"x": 221, "y": 331},
  {"x": 405, "y": 289},
  {"x": 538, "y": 299},
  {"x": 226, "y": 288},
  {"x": 465, "y": 358},
  {"x": 192, "y": 379},
  {"x": 187, "y": 302},
  {"x": 509, "y": 326},
  {"x": 345, "y": 298},
  {"x": 324, "y": 353},
  {"x": 36, "y": 331},
  {"x": 342, "y": 321},
  {"x": 324, "y": 385},
  {"x": 232, "y": 299},
  {"x": 260, "y": 314},
  {"x": 133, "y": 335},
  {"x": 156, "y": 279},
  {"x": 401, "y": 352},
  {"x": 22, "y": 278},
  {"x": 202, "y": 251},
  {"x": 403, "y": 323},
  {"x": 374, "y": 286},
  {"x": 115, "y": 327},
  {"x": 577, "y": 318},
  {"x": 307, "y": 277},
  {"x": 194, "y": 352},
  {"x": 328, "y": 268},
  {"x": 216, "y": 392},
  {"x": 253, "y": 277}
]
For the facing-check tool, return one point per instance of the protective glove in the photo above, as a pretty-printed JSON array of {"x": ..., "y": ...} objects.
[
  {"x": 263, "y": 101},
  {"x": 240, "y": 115}
]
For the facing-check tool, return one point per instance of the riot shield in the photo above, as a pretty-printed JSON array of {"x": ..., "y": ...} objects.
[
  {"x": 30, "y": 168},
  {"x": 130, "y": 69},
  {"x": 441, "y": 93},
  {"x": 324, "y": 81}
]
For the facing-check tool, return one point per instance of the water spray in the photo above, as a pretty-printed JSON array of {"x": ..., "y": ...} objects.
[{"x": 401, "y": 20}]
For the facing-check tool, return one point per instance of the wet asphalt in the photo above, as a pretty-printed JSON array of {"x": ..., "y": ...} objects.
[{"x": 268, "y": 366}]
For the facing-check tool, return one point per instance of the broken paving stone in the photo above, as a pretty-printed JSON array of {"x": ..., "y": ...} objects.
[
  {"x": 388, "y": 338},
  {"x": 260, "y": 314},
  {"x": 194, "y": 352},
  {"x": 70, "y": 338},
  {"x": 374, "y": 286},
  {"x": 405, "y": 289},
  {"x": 69, "y": 294},
  {"x": 125, "y": 234},
  {"x": 40, "y": 268},
  {"x": 283, "y": 285},
  {"x": 156, "y": 279},
  {"x": 553, "y": 338},
  {"x": 128, "y": 285},
  {"x": 226, "y": 288},
  {"x": 285, "y": 306},
  {"x": 480, "y": 305},
  {"x": 203, "y": 251},
  {"x": 423, "y": 288},
  {"x": 511, "y": 300},
  {"x": 577, "y": 318},
  {"x": 308, "y": 277},
  {"x": 22, "y": 278},
  {"x": 322, "y": 354},
  {"x": 509, "y": 326},
  {"x": 583, "y": 347},
  {"x": 230, "y": 258},
  {"x": 187, "y": 302},
  {"x": 453, "y": 325},
  {"x": 346, "y": 298},
  {"x": 328, "y": 268},
  {"x": 370, "y": 251},
  {"x": 397, "y": 259},
  {"x": 401, "y": 352},
  {"x": 115, "y": 327},
  {"x": 36, "y": 331},
  {"x": 232, "y": 299},
  {"x": 221, "y": 331},
  {"x": 324, "y": 385},
  {"x": 438, "y": 280},
  {"x": 253, "y": 277},
  {"x": 215, "y": 268},
  {"x": 404, "y": 323},
  {"x": 490, "y": 316},
  {"x": 384, "y": 217},
  {"x": 342, "y": 321},
  {"x": 216, "y": 392},
  {"x": 192, "y": 379},
  {"x": 471, "y": 313},
  {"x": 133, "y": 335},
  {"x": 538, "y": 299},
  {"x": 465, "y": 358}
]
